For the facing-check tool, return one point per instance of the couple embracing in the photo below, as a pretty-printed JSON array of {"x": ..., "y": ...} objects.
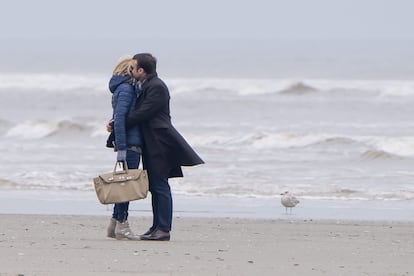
[{"x": 141, "y": 127}]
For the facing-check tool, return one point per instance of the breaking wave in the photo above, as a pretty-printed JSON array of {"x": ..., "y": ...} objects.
[
  {"x": 373, "y": 147},
  {"x": 53, "y": 82},
  {"x": 378, "y": 155},
  {"x": 246, "y": 87},
  {"x": 298, "y": 88},
  {"x": 243, "y": 87},
  {"x": 41, "y": 129}
]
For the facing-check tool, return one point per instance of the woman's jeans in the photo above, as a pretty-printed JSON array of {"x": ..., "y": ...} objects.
[{"x": 121, "y": 209}]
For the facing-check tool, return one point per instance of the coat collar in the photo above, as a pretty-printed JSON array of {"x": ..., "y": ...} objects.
[{"x": 148, "y": 79}]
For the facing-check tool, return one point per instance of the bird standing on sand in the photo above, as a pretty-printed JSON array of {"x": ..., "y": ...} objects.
[{"x": 289, "y": 201}]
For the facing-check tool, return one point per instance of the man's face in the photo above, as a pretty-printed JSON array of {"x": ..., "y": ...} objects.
[{"x": 137, "y": 73}]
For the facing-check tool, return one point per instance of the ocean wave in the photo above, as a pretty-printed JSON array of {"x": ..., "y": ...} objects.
[
  {"x": 298, "y": 88},
  {"x": 402, "y": 146},
  {"x": 251, "y": 87},
  {"x": 350, "y": 194},
  {"x": 41, "y": 129},
  {"x": 4, "y": 183},
  {"x": 314, "y": 192},
  {"x": 80, "y": 179},
  {"x": 369, "y": 147},
  {"x": 242, "y": 87},
  {"x": 335, "y": 140},
  {"x": 378, "y": 155},
  {"x": 373, "y": 147},
  {"x": 82, "y": 182},
  {"x": 301, "y": 140},
  {"x": 53, "y": 82}
]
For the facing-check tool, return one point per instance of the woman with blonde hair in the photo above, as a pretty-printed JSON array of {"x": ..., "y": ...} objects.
[{"x": 127, "y": 142}]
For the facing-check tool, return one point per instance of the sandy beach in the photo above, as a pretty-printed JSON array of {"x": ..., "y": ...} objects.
[{"x": 76, "y": 245}]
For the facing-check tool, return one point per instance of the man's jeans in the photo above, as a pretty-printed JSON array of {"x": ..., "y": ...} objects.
[{"x": 161, "y": 198}]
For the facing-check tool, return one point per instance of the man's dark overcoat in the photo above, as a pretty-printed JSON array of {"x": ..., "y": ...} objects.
[{"x": 163, "y": 144}]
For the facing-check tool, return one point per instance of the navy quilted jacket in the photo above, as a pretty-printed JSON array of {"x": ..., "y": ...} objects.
[{"x": 123, "y": 101}]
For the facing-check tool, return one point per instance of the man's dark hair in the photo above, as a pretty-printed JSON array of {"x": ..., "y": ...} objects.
[{"x": 147, "y": 62}]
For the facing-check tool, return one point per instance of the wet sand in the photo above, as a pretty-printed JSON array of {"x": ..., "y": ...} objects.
[{"x": 76, "y": 245}]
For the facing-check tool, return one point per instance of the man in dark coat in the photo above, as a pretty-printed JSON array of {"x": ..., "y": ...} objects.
[{"x": 165, "y": 150}]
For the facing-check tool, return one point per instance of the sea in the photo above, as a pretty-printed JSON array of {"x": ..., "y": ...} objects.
[{"x": 343, "y": 147}]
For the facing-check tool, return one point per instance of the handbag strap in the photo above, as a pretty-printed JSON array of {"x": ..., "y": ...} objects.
[{"x": 124, "y": 167}]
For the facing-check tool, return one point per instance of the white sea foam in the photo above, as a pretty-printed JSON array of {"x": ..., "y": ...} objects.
[
  {"x": 288, "y": 140},
  {"x": 398, "y": 146},
  {"x": 292, "y": 86},
  {"x": 41, "y": 128},
  {"x": 344, "y": 139},
  {"x": 53, "y": 82},
  {"x": 401, "y": 146},
  {"x": 302, "y": 191},
  {"x": 94, "y": 82},
  {"x": 31, "y": 130}
]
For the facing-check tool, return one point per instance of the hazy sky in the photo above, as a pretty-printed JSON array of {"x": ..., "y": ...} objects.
[{"x": 197, "y": 38}]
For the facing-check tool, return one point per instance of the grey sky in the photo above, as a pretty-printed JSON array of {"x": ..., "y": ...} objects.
[{"x": 203, "y": 34}]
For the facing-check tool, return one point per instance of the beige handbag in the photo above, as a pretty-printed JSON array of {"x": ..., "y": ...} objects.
[{"x": 121, "y": 186}]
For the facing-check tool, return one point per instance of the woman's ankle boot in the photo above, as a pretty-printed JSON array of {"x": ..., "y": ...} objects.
[{"x": 123, "y": 231}]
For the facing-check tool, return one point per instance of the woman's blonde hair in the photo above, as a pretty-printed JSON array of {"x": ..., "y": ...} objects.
[{"x": 124, "y": 66}]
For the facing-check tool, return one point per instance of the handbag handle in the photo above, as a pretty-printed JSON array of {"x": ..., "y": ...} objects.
[{"x": 124, "y": 167}]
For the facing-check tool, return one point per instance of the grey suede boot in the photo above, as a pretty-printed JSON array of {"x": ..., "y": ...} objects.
[
  {"x": 122, "y": 231},
  {"x": 111, "y": 229}
]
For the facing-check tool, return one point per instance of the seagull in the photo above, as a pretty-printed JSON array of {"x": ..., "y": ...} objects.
[{"x": 289, "y": 201}]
